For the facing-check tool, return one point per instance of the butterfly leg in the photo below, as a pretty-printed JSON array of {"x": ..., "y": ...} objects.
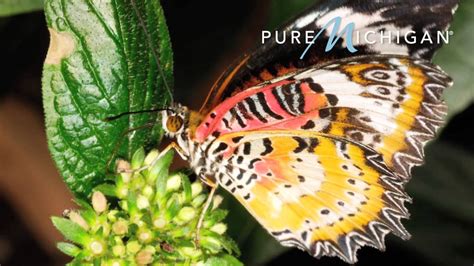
[{"x": 214, "y": 187}]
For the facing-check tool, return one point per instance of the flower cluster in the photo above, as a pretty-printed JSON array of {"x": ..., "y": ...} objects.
[{"x": 149, "y": 218}]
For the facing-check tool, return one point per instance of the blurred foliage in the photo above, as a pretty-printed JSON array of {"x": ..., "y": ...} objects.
[
  {"x": 457, "y": 59},
  {"x": 282, "y": 11},
  {"x": 102, "y": 62},
  {"x": 442, "y": 222},
  {"x": 13, "y": 7}
]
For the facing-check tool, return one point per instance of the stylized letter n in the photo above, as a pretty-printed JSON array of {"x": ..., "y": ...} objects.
[{"x": 335, "y": 36}]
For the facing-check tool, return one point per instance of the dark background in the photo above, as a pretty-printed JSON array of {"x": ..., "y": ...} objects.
[{"x": 442, "y": 221}]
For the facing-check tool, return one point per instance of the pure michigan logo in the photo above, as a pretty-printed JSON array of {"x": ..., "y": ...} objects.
[{"x": 351, "y": 37}]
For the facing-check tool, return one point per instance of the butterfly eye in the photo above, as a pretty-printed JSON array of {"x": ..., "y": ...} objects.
[{"x": 174, "y": 123}]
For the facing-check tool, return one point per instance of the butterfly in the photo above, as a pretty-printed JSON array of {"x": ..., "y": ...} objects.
[{"x": 319, "y": 149}]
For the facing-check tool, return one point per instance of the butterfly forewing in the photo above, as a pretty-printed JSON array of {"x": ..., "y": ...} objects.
[
  {"x": 395, "y": 19},
  {"x": 391, "y": 104}
]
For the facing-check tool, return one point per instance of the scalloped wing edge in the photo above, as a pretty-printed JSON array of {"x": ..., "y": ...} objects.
[
  {"x": 374, "y": 232},
  {"x": 430, "y": 118}
]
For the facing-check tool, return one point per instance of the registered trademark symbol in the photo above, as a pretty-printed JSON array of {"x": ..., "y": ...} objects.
[{"x": 451, "y": 32}]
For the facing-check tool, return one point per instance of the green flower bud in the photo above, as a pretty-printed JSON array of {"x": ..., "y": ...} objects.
[
  {"x": 99, "y": 202},
  {"x": 112, "y": 215},
  {"x": 199, "y": 200},
  {"x": 142, "y": 202},
  {"x": 144, "y": 257},
  {"x": 122, "y": 191},
  {"x": 181, "y": 198},
  {"x": 190, "y": 252},
  {"x": 151, "y": 157},
  {"x": 173, "y": 183},
  {"x": 124, "y": 205},
  {"x": 105, "y": 229},
  {"x": 138, "y": 182},
  {"x": 212, "y": 244},
  {"x": 97, "y": 247},
  {"x": 118, "y": 251},
  {"x": 196, "y": 189},
  {"x": 77, "y": 218},
  {"x": 120, "y": 227},
  {"x": 137, "y": 219},
  {"x": 115, "y": 263},
  {"x": 151, "y": 249},
  {"x": 219, "y": 228},
  {"x": 159, "y": 222},
  {"x": 186, "y": 214},
  {"x": 148, "y": 191},
  {"x": 117, "y": 240},
  {"x": 180, "y": 231},
  {"x": 144, "y": 235},
  {"x": 133, "y": 247},
  {"x": 217, "y": 201},
  {"x": 123, "y": 167},
  {"x": 154, "y": 222}
]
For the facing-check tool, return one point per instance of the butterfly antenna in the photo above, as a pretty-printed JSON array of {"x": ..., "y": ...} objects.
[
  {"x": 113, "y": 118},
  {"x": 153, "y": 49}
]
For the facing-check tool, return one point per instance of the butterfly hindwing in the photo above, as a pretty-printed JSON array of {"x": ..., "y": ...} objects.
[
  {"x": 416, "y": 19},
  {"x": 391, "y": 104},
  {"x": 323, "y": 194}
]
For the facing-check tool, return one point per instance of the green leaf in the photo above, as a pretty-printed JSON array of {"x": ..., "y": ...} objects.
[
  {"x": 449, "y": 168},
  {"x": 107, "y": 189},
  {"x": 13, "y": 7},
  {"x": 227, "y": 243},
  {"x": 261, "y": 247},
  {"x": 68, "y": 249},
  {"x": 225, "y": 260},
  {"x": 89, "y": 215},
  {"x": 159, "y": 172},
  {"x": 132, "y": 204},
  {"x": 186, "y": 187},
  {"x": 231, "y": 246},
  {"x": 457, "y": 59},
  {"x": 71, "y": 230},
  {"x": 172, "y": 207},
  {"x": 138, "y": 158},
  {"x": 102, "y": 62},
  {"x": 215, "y": 217}
]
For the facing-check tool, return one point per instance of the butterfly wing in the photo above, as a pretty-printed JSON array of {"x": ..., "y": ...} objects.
[
  {"x": 323, "y": 194},
  {"x": 424, "y": 18},
  {"x": 391, "y": 104}
]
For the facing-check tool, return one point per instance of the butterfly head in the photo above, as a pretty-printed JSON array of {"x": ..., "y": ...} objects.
[{"x": 175, "y": 120}]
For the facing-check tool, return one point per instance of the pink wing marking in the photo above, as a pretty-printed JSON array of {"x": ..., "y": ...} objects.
[{"x": 261, "y": 109}]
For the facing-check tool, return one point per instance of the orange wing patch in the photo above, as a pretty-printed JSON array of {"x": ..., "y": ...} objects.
[
  {"x": 323, "y": 194},
  {"x": 392, "y": 104}
]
